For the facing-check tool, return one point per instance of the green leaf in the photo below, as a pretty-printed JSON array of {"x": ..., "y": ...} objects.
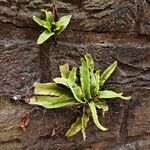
[
  {"x": 49, "y": 16},
  {"x": 63, "y": 22},
  {"x": 97, "y": 76},
  {"x": 107, "y": 94},
  {"x": 72, "y": 76},
  {"x": 42, "y": 23},
  {"x": 85, "y": 79},
  {"x": 44, "y": 36},
  {"x": 76, "y": 91},
  {"x": 58, "y": 27},
  {"x": 75, "y": 128},
  {"x": 105, "y": 75},
  {"x": 51, "y": 102},
  {"x": 62, "y": 81},
  {"x": 64, "y": 70},
  {"x": 50, "y": 89},
  {"x": 102, "y": 105},
  {"x": 85, "y": 119},
  {"x": 95, "y": 83},
  {"x": 92, "y": 84},
  {"x": 95, "y": 117},
  {"x": 89, "y": 61}
]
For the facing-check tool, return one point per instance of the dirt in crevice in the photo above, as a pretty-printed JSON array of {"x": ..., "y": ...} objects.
[
  {"x": 123, "y": 129},
  {"x": 44, "y": 61}
]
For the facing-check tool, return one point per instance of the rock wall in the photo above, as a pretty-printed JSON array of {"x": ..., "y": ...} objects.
[{"x": 109, "y": 30}]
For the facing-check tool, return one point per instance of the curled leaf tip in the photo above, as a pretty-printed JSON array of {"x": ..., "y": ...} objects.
[{"x": 126, "y": 97}]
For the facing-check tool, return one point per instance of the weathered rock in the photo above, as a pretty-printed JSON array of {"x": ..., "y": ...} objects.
[
  {"x": 19, "y": 61},
  {"x": 109, "y": 30},
  {"x": 133, "y": 60},
  {"x": 139, "y": 119},
  {"x": 90, "y": 15},
  {"x": 46, "y": 128},
  {"x": 145, "y": 19}
]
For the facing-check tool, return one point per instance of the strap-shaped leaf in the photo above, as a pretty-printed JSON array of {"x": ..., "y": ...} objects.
[
  {"x": 89, "y": 61},
  {"x": 102, "y": 105},
  {"x": 63, "y": 22},
  {"x": 107, "y": 94},
  {"x": 75, "y": 128},
  {"x": 85, "y": 79},
  {"x": 92, "y": 84},
  {"x": 105, "y": 75},
  {"x": 72, "y": 76},
  {"x": 51, "y": 102},
  {"x": 42, "y": 23},
  {"x": 76, "y": 91},
  {"x": 95, "y": 117},
  {"x": 85, "y": 119},
  {"x": 64, "y": 70},
  {"x": 62, "y": 81},
  {"x": 49, "y": 15},
  {"x": 44, "y": 36},
  {"x": 97, "y": 76},
  {"x": 95, "y": 83},
  {"x": 50, "y": 89}
]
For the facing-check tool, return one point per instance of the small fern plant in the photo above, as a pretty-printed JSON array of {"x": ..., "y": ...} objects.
[
  {"x": 85, "y": 92},
  {"x": 51, "y": 26}
]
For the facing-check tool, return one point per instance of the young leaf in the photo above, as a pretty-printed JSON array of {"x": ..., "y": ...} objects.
[
  {"x": 64, "y": 70},
  {"x": 58, "y": 27},
  {"x": 85, "y": 119},
  {"x": 95, "y": 83},
  {"x": 107, "y": 94},
  {"x": 85, "y": 79},
  {"x": 105, "y": 75},
  {"x": 42, "y": 23},
  {"x": 72, "y": 76},
  {"x": 95, "y": 117},
  {"x": 49, "y": 15},
  {"x": 52, "y": 102},
  {"x": 62, "y": 81},
  {"x": 75, "y": 128},
  {"x": 44, "y": 36},
  {"x": 76, "y": 91},
  {"x": 50, "y": 89},
  {"x": 89, "y": 61},
  {"x": 97, "y": 76},
  {"x": 63, "y": 22}
]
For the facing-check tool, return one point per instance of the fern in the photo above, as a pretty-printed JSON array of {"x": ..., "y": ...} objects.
[{"x": 86, "y": 93}]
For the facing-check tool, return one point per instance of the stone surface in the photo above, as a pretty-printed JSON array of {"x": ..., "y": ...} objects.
[
  {"x": 91, "y": 15},
  {"x": 43, "y": 123},
  {"x": 139, "y": 118},
  {"x": 109, "y": 30},
  {"x": 133, "y": 59},
  {"x": 19, "y": 62},
  {"x": 145, "y": 18}
]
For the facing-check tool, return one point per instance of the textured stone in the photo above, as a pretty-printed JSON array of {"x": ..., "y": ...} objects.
[
  {"x": 109, "y": 30},
  {"x": 145, "y": 18},
  {"x": 139, "y": 119},
  {"x": 133, "y": 60},
  {"x": 90, "y": 15},
  {"x": 19, "y": 61},
  {"x": 140, "y": 144},
  {"x": 43, "y": 123},
  {"x": 109, "y": 15}
]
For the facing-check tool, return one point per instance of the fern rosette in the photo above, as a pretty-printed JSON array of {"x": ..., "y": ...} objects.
[
  {"x": 85, "y": 91},
  {"x": 51, "y": 26}
]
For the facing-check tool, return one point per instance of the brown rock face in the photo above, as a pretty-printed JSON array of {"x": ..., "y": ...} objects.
[{"x": 107, "y": 29}]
